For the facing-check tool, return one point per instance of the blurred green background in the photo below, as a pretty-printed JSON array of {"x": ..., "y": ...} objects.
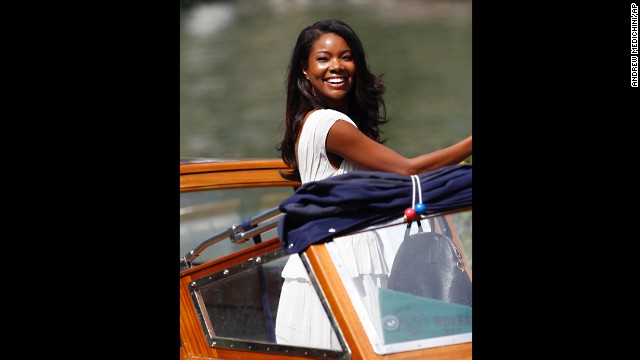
[{"x": 234, "y": 56}]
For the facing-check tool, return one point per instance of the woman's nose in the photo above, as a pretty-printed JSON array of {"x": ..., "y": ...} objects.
[{"x": 336, "y": 65}]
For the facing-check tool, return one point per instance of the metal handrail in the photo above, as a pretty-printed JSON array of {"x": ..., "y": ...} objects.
[{"x": 236, "y": 233}]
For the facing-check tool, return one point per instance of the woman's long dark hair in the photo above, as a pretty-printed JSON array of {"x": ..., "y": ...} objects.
[{"x": 366, "y": 105}]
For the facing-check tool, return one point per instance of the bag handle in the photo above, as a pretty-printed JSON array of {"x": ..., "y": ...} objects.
[{"x": 415, "y": 212}]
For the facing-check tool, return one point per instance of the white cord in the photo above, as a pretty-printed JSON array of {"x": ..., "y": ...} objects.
[
  {"x": 415, "y": 180},
  {"x": 413, "y": 192},
  {"x": 419, "y": 188}
]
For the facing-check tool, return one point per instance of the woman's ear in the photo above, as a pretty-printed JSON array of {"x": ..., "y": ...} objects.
[{"x": 304, "y": 71}]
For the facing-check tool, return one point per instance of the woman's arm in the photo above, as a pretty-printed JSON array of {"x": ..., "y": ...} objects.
[{"x": 348, "y": 142}]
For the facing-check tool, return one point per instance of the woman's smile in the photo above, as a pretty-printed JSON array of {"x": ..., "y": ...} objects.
[{"x": 336, "y": 82}]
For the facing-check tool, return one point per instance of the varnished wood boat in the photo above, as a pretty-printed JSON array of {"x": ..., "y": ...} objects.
[{"x": 229, "y": 272}]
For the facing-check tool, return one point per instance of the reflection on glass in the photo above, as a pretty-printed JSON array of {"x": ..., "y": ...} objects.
[
  {"x": 463, "y": 223},
  {"x": 239, "y": 308},
  {"x": 386, "y": 272},
  {"x": 407, "y": 317},
  {"x": 302, "y": 318},
  {"x": 207, "y": 213},
  {"x": 243, "y": 306}
]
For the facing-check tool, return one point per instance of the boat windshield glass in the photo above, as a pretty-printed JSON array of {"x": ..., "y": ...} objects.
[
  {"x": 240, "y": 308},
  {"x": 401, "y": 307},
  {"x": 205, "y": 213}
]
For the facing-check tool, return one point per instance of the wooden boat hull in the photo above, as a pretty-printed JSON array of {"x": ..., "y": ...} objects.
[{"x": 206, "y": 175}]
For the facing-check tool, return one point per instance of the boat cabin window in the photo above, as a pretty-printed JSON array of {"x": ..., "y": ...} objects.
[
  {"x": 401, "y": 311},
  {"x": 238, "y": 307}
]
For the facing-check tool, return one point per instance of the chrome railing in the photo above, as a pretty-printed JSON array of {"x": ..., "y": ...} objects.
[{"x": 236, "y": 233}]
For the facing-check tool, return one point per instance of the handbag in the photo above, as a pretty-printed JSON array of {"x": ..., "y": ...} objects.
[{"x": 429, "y": 264}]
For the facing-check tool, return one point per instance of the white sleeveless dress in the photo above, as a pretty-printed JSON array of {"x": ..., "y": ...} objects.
[{"x": 301, "y": 319}]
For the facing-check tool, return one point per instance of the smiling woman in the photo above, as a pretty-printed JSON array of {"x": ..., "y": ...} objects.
[
  {"x": 332, "y": 127},
  {"x": 241, "y": 295},
  {"x": 233, "y": 57}
]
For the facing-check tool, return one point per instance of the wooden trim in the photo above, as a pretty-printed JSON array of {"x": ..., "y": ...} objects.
[
  {"x": 223, "y": 165},
  {"x": 233, "y": 174},
  {"x": 232, "y": 259},
  {"x": 230, "y": 179},
  {"x": 194, "y": 343}
]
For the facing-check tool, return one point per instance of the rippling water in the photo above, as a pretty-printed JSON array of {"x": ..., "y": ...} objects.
[{"x": 234, "y": 55}]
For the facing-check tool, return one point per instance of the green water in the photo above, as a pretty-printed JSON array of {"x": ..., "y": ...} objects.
[{"x": 234, "y": 54}]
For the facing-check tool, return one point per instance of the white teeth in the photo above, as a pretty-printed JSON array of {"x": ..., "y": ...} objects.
[{"x": 336, "y": 80}]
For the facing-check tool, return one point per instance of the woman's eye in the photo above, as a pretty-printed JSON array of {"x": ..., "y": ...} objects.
[{"x": 322, "y": 59}]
